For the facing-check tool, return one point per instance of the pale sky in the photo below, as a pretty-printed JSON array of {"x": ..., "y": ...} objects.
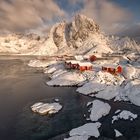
[{"x": 114, "y": 16}]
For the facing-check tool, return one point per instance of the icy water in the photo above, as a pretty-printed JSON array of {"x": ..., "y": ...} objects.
[{"x": 22, "y": 86}]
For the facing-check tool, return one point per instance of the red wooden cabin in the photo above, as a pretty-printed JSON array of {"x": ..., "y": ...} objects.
[
  {"x": 92, "y": 58},
  {"x": 85, "y": 66},
  {"x": 82, "y": 66},
  {"x": 72, "y": 64},
  {"x": 113, "y": 69}
]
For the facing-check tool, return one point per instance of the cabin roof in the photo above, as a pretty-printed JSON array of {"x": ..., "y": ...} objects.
[
  {"x": 73, "y": 61},
  {"x": 85, "y": 64}
]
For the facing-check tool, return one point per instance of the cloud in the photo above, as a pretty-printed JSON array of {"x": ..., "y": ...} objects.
[
  {"x": 132, "y": 30},
  {"x": 107, "y": 14},
  {"x": 74, "y": 1},
  {"x": 24, "y": 15},
  {"x": 20, "y": 15}
]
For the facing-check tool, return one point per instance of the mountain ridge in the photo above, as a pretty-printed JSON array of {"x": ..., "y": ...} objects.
[{"x": 81, "y": 36}]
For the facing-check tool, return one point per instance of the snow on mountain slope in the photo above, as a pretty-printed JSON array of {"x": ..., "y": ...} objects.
[
  {"x": 81, "y": 36},
  {"x": 123, "y": 44}
]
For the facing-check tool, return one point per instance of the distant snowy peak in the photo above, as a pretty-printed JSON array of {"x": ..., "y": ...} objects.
[{"x": 123, "y": 44}]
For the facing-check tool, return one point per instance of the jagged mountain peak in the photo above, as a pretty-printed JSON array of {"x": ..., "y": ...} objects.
[
  {"x": 83, "y": 21},
  {"x": 80, "y": 36},
  {"x": 74, "y": 34}
]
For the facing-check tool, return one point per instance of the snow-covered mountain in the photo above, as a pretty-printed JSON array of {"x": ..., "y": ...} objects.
[{"x": 81, "y": 36}]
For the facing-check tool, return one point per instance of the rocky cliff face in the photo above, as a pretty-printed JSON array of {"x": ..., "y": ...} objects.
[
  {"x": 81, "y": 36},
  {"x": 79, "y": 30}
]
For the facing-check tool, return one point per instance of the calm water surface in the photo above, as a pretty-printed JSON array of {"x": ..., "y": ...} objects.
[{"x": 22, "y": 86}]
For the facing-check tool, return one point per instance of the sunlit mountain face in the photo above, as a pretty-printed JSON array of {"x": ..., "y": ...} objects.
[{"x": 114, "y": 16}]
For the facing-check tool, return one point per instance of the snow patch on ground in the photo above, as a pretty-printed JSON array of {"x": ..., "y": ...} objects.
[
  {"x": 53, "y": 68},
  {"x": 40, "y": 63},
  {"x": 108, "y": 93},
  {"x": 67, "y": 79},
  {"x": 57, "y": 73},
  {"x": 129, "y": 72},
  {"x": 133, "y": 92},
  {"x": 104, "y": 85},
  {"x": 130, "y": 91},
  {"x": 108, "y": 79},
  {"x": 46, "y": 108}
]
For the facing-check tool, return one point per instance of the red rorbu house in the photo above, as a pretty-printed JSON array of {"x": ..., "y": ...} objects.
[
  {"x": 71, "y": 64},
  {"x": 112, "y": 69},
  {"x": 82, "y": 66},
  {"x": 92, "y": 58}
]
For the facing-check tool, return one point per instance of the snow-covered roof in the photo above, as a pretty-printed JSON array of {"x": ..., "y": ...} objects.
[
  {"x": 85, "y": 64},
  {"x": 73, "y": 61}
]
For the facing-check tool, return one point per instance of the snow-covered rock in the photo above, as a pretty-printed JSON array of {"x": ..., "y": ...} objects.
[
  {"x": 134, "y": 95},
  {"x": 87, "y": 130},
  {"x": 104, "y": 85},
  {"x": 53, "y": 68},
  {"x": 46, "y": 108},
  {"x": 56, "y": 100},
  {"x": 117, "y": 133},
  {"x": 58, "y": 73},
  {"x": 67, "y": 79},
  {"x": 124, "y": 115},
  {"x": 108, "y": 93},
  {"x": 129, "y": 72},
  {"x": 99, "y": 109},
  {"x": 91, "y": 87},
  {"x": 117, "y": 111},
  {"x": 108, "y": 79},
  {"x": 130, "y": 91}
]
